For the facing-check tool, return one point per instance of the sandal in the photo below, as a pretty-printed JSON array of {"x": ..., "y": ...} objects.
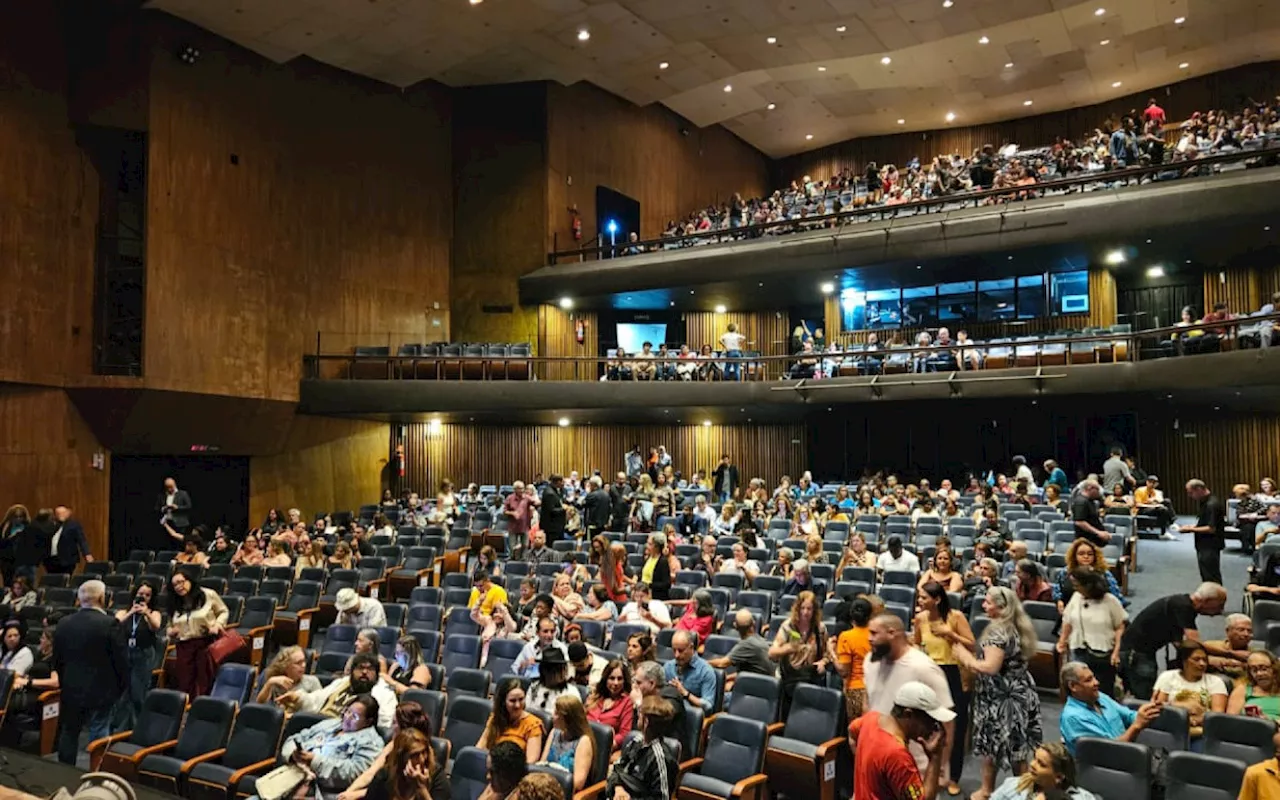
[{"x": 954, "y": 790}]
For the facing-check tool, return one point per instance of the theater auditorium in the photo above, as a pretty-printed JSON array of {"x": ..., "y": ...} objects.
[{"x": 586, "y": 400}]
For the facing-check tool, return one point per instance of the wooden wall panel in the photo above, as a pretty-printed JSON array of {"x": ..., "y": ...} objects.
[
  {"x": 766, "y": 331},
  {"x": 832, "y": 316},
  {"x": 46, "y": 458},
  {"x": 1220, "y": 449},
  {"x": 492, "y": 454},
  {"x": 285, "y": 199},
  {"x": 1228, "y": 90},
  {"x": 327, "y": 465},
  {"x": 557, "y": 338},
  {"x": 597, "y": 139},
  {"x": 1102, "y": 299},
  {"x": 48, "y": 206}
]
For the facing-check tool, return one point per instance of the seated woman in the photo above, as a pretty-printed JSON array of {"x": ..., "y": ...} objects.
[
  {"x": 511, "y": 723},
  {"x": 942, "y": 570},
  {"x": 409, "y": 669},
  {"x": 411, "y": 768},
  {"x": 287, "y": 671},
  {"x": 1030, "y": 583},
  {"x": 192, "y": 552},
  {"x": 618, "y": 368},
  {"x": 409, "y": 719},
  {"x": 856, "y": 554},
  {"x": 699, "y": 616},
  {"x": 1258, "y": 695},
  {"x": 610, "y": 700},
  {"x": 279, "y": 555},
  {"x": 336, "y": 751},
  {"x": 19, "y": 595},
  {"x": 14, "y": 655},
  {"x": 1117, "y": 502},
  {"x": 1052, "y": 773},
  {"x": 248, "y": 554},
  {"x": 1192, "y": 687},
  {"x": 1053, "y": 498},
  {"x": 709, "y": 369},
  {"x": 570, "y": 745}
]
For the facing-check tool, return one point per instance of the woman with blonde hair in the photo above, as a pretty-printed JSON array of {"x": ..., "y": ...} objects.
[
  {"x": 856, "y": 554},
  {"x": 279, "y": 553},
  {"x": 801, "y": 647},
  {"x": 313, "y": 558},
  {"x": 813, "y": 552},
  {"x": 1005, "y": 715},
  {"x": 570, "y": 745},
  {"x": 287, "y": 672},
  {"x": 341, "y": 558}
]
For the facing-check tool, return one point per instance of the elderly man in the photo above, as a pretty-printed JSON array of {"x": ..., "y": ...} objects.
[
  {"x": 1239, "y": 637},
  {"x": 1084, "y": 512},
  {"x": 332, "y": 700},
  {"x": 1268, "y": 529},
  {"x": 689, "y": 674},
  {"x": 704, "y": 512},
  {"x": 1164, "y": 622},
  {"x": 92, "y": 663},
  {"x": 362, "y": 612},
  {"x": 1209, "y": 531},
  {"x": 1090, "y": 712},
  {"x": 802, "y": 581},
  {"x": 750, "y": 654},
  {"x": 518, "y": 509}
]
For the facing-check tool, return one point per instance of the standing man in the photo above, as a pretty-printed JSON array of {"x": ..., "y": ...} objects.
[
  {"x": 620, "y": 495},
  {"x": 92, "y": 664},
  {"x": 633, "y": 462},
  {"x": 1084, "y": 512},
  {"x": 67, "y": 545},
  {"x": 519, "y": 512},
  {"x": 892, "y": 664},
  {"x": 1115, "y": 470},
  {"x": 883, "y": 766},
  {"x": 725, "y": 479},
  {"x": 1167, "y": 621},
  {"x": 1208, "y": 531},
  {"x": 597, "y": 507},
  {"x": 553, "y": 517},
  {"x": 174, "y": 506},
  {"x": 1055, "y": 476}
]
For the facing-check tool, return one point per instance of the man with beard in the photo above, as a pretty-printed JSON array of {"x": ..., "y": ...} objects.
[
  {"x": 892, "y": 663},
  {"x": 332, "y": 700}
]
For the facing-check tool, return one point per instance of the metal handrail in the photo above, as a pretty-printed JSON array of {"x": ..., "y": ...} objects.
[
  {"x": 923, "y": 206},
  {"x": 1229, "y": 327}
]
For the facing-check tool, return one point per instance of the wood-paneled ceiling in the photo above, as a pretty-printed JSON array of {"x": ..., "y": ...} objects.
[{"x": 824, "y": 73}]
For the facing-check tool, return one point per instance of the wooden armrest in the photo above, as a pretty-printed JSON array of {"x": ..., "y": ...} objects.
[
  {"x": 252, "y": 769},
  {"x": 692, "y": 765},
  {"x": 307, "y": 612},
  {"x": 253, "y": 633},
  {"x": 200, "y": 759},
  {"x": 591, "y": 792},
  {"x": 154, "y": 749},
  {"x": 102, "y": 744},
  {"x": 774, "y": 728},
  {"x": 374, "y": 587},
  {"x": 829, "y": 746},
  {"x": 49, "y": 695},
  {"x": 748, "y": 784}
]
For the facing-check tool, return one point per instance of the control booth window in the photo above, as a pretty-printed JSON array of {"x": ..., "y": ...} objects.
[
  {"x": 1031, "y": 297},
  {"x": 996, "y": 300},
  {"x": 884, "y": 308},
  {"x": 920, "y": 306},
  {"x": 958, "y": 301},
  {"x": 1069, "y": 292}
]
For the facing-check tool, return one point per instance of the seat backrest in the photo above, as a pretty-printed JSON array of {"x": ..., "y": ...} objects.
[
  {"x": 257, "y": 731},
  {"x": 432, "y": 702},
  {"x": 1192, "y": 776},
  {"x": 306, "y": 594},
  {"x": 1170, "y": 731},
  {"x": 461, "y": 651},
  {"x": 465, "y": 719},
  {"x": 691, "y": 735},
  {"x": 503, "y": 654},
  {"x": 756, "y": 697},
  {"x": 1246, "y": 739},
  {"x": 602, "y": 739},
  {"x": 735, "y": 748},
  {"x": 207, "y": 727},
  {"x": 475, "y": 682},
  {"x": 1113, "y": 769},
  {"x": 234, "y": 683},
  {"x": 162, "y": 713},
  {"x": 470, "y": 775},
  {"x": 815, "y": 714},
  {"x": 258, "y": 611}
]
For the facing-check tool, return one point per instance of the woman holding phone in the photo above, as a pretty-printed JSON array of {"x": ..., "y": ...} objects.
[{"x": 141, "y": 623}]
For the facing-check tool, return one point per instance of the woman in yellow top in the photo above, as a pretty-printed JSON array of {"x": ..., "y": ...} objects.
[
  {"x": 657, "y": 568},
  {"x": 197, "y": 615},
  {"x": 852, "y": 647},
  {"x": 937, "y": 627},
  {"x": 511, "y": 723},
  {"x": 856, "y": 555}
]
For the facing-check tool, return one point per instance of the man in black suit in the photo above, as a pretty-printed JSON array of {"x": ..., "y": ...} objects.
[
  {"x": 597, "y": 507},
  {"x": 174, "y": 506},
  {"x": 67, "y": 545},
  {"x": 553, "y": 517},
  {"x": 92, "y": 663}
]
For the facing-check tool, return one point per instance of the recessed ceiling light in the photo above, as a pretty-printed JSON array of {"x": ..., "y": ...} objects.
[
  {"x": 1266, "y": 227},
  {"x": 951, "y": 116},
  {"x": 841, "y": 28},
  {"x": 706, "y": 423},
  {"x": 1183, "y": 65},
  {"x": 564, "y": 422},
  {"x": 1155, "y": 272},
  {"x": 1179, "y": 20},
  {"x": 566, "y": 303},
  {"x": 808, "y": 136},
  {"x": 1008, "y": 65},
  {"x": 476, "y": 2},
  {"x": 828, "y": 287},
  {"x": 690, "y": 291},
  {"x": 984, "y": 40},
  {"x": 1026, "y": 102},
  {"x": 728, "y": 87},
  {"x": 1115, "y": 85},
  {"x": 886, "y": 61},
  {"x": 1115, "y": 257},
  {"x": 919, "y": 266},
  {"x": 673, "y": 303},
  {"x": 720, "y": 309},
  {"x": 902, "y": 122},
  {"x": 948, "y": 3},
  {"x": 1105, "y": 42},
  {"x": 584, "y": 35},
  {"x": 1097, "y": 12},
  {"x": 663, "y": 65},
  {"x": 771, "y": 106},
  {"x": 771, "y": 40},
  {"x": 822, "y": 69}
]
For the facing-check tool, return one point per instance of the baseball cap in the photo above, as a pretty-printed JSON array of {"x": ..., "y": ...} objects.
[
  {"x": 916, "y": 695},
  {"x": 1152, "y": 479},
  {"x": 346, "y": 599}
]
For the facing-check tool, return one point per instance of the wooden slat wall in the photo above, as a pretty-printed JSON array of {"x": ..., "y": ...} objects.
[
  {"x": 1227, "y": 90},
  {"x": 557, "y": 338},
  {"x": 1221, "y": 450},
  {"x": 327, "y": 465},
  {"x": 46, "y": 458},
  {"x": 497, "y": 455},
  {"x": 338, "y": 215},
  {"x": 832, "y": 316},
  {"x": 766, "y": 331},
  {"x": 1243, "y": 289},
  {"x": 1102, "y": 299}
]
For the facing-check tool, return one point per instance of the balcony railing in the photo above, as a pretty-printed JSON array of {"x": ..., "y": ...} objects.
[
  {"x": 1113, "y": 346},
  {"x": 1161, "y": 173}
]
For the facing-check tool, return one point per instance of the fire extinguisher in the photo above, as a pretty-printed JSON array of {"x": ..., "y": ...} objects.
[{"x": 580, "y": 331}]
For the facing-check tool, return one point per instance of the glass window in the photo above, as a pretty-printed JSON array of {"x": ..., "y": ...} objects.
[
  {"x": 1069, "y": 292},
  {"x": 996, "y": 300},
  {"x": 957, "y": 301},
  {"x": 920, "y": 306},
  {"x": 1031, "y": 297},
  {"x": 884, "y": 308},
  {"x": 853, "y": 308}
]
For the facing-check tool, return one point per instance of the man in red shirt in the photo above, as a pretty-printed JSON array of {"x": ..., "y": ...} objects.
[
  {"x": 1153, "y": 112},
  {"x": 883, "y": 768}
]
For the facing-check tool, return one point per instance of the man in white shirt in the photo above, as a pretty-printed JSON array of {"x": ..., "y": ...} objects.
[
  {"x": 897, "y": 558},
  {"x": 703, "y": 511},
  {"x": 740, "y": 564},
  {"x": 893, "y": 662},
  {"x": 526, "y": 664},
  {"x": 362, "y": 612},
  {"x": 644, "y": 609}
]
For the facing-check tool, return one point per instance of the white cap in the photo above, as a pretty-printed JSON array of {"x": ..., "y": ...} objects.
[
  {"x": 346, "y": 599},
  {"x": 914, "y": 694}
]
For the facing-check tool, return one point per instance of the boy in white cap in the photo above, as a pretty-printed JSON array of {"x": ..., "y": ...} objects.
[{"x": 883, "y": 768}]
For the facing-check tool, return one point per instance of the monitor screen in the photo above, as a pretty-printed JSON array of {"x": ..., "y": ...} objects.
[
  {"x": 1069, "y": 292},
  {"x": 633, "y": 335},
  {"x": 920, "y": 306},
  {"x": 884, "y": 308}
]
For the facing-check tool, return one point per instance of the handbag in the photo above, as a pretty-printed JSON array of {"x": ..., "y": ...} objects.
[
  {"x": 224, "y": 645},
  {"x": 280, "y": 782}
]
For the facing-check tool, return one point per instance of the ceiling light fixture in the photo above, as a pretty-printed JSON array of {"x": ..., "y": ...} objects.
[
  {"x": 841, "y": 28},
  {"x": 828, "y": 287},
  {"x": 1179, "y": 20},
  {"x": 433, "y": 426},
  {"x": 1008, "y": 65},
  {"x": 1105, "y": 42},
  {"x": 808, "y": 136},
  {"x": 1115, "y": 85},
  {"x": 822, "y": 69},
  {"x": 951, "y": 116},
  {"x": 1097, "y": 12},
  {"x": 720, "y": 309},
  {"x": 1115, "y": 257},
  {"x": 563, "y": 422},
  {"x": 663, "y": 65},
  {"x": 902, "y": 122},
  {"x": 1183, "y": 65},
  {"x": 566, "y": 303},
  {"x": 984, "y": 40},
  {"x": 584, "y": 35},
  {"x": 1026, "y": 102},
  {"x": 476, "y": 2},
  {"x": 706, "y": 423},
  {"x": 728, "y": 87},
  {"x": 948, "y": 3},
  {"x": 886, "y": 61},
  {"x": 1155, "y": 272},
  {"x": 771, "y": 106},
  {"x": 771, "y": 40}
]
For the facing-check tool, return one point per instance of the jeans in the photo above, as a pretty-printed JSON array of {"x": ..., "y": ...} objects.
[
  {"x": 70, "y": 722},
  {"x": 1139, "y": 671},
  {"x": 129, "y": 709},
  {"x": 732, "y": 369}
]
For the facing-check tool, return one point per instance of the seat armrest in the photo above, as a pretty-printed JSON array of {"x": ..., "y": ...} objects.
[
  {"x": 774, "y": 728},
  {"x": 593, "y": 792},
  {"x": 153, "y": 750},
  {"x": 692, "y": 765},
  {"x": 749, "y": 787},
  {"x": 831, "y": 745},
  {"x": 252, "y": 769},
  {"x": 103, "y": 744},
  {"x": 253, "y": 633},
  {"x": 203, "y": 757},
  {"x": 306, "y": 613},
  {"x": 374, "y": 588}
]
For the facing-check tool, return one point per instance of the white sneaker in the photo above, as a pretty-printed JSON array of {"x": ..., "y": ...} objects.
[{"x": 1169, "y": 536}]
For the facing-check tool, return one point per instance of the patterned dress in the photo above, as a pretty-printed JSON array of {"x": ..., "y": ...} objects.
[{"x": 1006, "y": 708}]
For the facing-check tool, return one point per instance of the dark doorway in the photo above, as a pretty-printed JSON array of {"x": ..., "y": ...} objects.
[
  {"x": 218, "y": 485},
  {"x": 1147, "y": 307},
  {"x": 617, "y": 217}
]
